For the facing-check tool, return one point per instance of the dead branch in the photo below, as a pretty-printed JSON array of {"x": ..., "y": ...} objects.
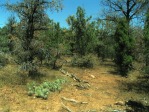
[
  {"x": 66, "y": 108},
  {"x": 73, "y": 76},
  {"x": 74, "y": 101},
  {"x": 82, "y": 86},
  {"x": 71, "y": 100}
]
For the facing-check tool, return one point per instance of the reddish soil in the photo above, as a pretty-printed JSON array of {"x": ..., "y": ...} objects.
[{"x": 105, "y": 91}]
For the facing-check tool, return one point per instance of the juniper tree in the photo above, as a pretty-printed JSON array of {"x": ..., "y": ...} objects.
[
  {"x": 32, "y": 15},
  {"x": 123, "y": 47}
]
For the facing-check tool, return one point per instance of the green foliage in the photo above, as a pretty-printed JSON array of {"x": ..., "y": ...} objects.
[
  {"x": 42, "y": 90},
  {"x": 123, "y": 48},
  {"x": 33, "y": 20},
  {"x": 4, "y": 44},
  {"x": 4, "y": 41},
  {"x": 146, "y": 41},
  {"x": 31, "y": 88},
  {"x": 6, "y": 33},
  {"x": 3, "y": 60},
  {"x": 137, "y": 34},
  {"x": 105, "y": 46},
  {"x": 28, "y": 66},
  {"x": 55, "y": 44},
  {"x": 52, "y": 44},
  {"x": 11, "y": 25},
  {"x": 31, "y": 68},
  {"x": 83, "y": 32},
  {"x": 85, "y": 61}
]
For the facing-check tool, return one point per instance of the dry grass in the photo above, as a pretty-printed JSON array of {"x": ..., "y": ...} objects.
[
  {"x": 8, "y": 75},
  {"x": 106, "y": 88}
]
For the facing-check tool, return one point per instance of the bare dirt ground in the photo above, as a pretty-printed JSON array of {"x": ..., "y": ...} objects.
[{"x": 107, "y": 92}]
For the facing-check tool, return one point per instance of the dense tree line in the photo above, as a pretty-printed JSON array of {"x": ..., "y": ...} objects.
[{"x": 36, "y": 39}]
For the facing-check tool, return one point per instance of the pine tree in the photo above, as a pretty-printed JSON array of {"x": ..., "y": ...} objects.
[
  {"x": 84, "y": 30},
  {"x": 123, "y": 48}
]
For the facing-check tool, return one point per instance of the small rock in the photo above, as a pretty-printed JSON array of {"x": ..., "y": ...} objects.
[
  {"x": 92, "y": 76},
  {"x": 116, "y": 111},
  {"x": 121, "y": 103}
]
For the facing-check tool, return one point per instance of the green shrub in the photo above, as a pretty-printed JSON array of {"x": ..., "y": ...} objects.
[
  {"x": 85, "y": 61},
  {"x": 42, "y": 90}
]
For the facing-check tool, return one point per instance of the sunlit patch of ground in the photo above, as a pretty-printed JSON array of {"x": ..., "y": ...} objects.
[{"x": 105, "y": 90}]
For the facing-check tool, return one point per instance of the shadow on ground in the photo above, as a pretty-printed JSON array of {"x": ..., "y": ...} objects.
[
  {"x": 140, "y": 86},
  {"x": 136, "y": 106}
]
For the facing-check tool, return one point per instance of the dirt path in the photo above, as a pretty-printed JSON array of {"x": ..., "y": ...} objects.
[{"x": 104, "y": 91}]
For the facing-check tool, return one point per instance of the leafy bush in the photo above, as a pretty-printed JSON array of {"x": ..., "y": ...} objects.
[
  {"x": 42, "y": 90},
  {"x": 85, "y": 61},
  {"x": 31, "y": 88}
]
